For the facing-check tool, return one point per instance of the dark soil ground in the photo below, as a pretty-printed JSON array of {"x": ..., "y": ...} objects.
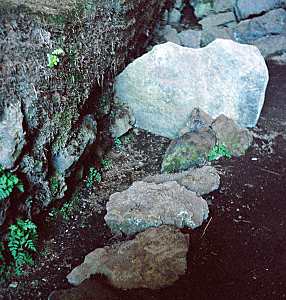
[{"x": 239, "y": 253}]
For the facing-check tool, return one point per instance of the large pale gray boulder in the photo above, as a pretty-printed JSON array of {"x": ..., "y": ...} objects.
[
  {"x": 154, "y": 259},
  {"x": 245, "y": 8},
  {"x": 12, "y": 137},
  {"x": 163, "y": 86},
  {"x": 145, "y": 205},
  {"x": 271, "y": 23}
]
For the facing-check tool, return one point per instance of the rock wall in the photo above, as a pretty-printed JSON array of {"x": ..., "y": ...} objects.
[
  {"x": 195, "y": 23},
  {"x": 49, "y": 115}
]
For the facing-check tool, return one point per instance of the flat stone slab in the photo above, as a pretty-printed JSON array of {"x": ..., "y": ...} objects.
[
  {"x": 163, "y": 86},
  {"x": 245, "y": 8},
  {"x": 154, "y": 259},
  {"x": 145, "y": 205},
  {"x": 200, "y": 180}
]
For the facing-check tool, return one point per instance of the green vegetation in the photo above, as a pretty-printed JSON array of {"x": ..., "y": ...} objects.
[
  {"x": 93, "y": 175},
  {"x": 55, "y": 185},
  {"x": 219, "y": 151},
  {"x": 4, "y": 269},
  {"x": 106, "y": 164},
  {"x": 117, "y": 143},
  {"x": 8, "y": 182},
  {"x": 64, "y": 211},
  {"x": 53, "y": 58},
  {"x": 21, "y": 243},
  {"x": 22, "y": 237}
]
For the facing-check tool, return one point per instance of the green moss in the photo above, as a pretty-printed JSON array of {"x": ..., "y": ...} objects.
[{"x": 54, "y": 185}]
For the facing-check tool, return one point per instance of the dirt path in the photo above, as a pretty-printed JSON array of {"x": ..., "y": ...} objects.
[{"x": 240, "y": 255}]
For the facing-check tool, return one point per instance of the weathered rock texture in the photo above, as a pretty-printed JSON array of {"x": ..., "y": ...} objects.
[
  {"x": 188, "y": 151},
  {"x": 145, "y": 205},
  {"x": 154, "y": 259},
  {"x": 245, "y": 8},
  {"x": 200, "y": 180},
  {"x": 163, "y": 86},
  {"x": 271, "y": 23},
  {"x": 236, "y": 140},
  {"x": 44, "y": 108}
]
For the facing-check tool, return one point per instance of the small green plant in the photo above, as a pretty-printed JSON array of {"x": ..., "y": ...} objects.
[
  {"x": 64, "y": 211},
  {"x": 55, "y": 185},
  {"x": 117, "y": 143},
  {"x": 106, "y": 164},
  {"x": 21, "y": 243},
  {"x": 8, "y": 182},
  {"x": 219, "y": 151},
  {"x": 93, "y": 175},
  {"x": 53, "y": 58}
]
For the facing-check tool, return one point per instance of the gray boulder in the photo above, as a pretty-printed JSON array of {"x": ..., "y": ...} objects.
[
  {"x": 163, "y": 86},
  {"x": 154, "y": 259},
  {"x": 197, "y": 120},
  {"x": 68, "y": 154},
  {"x": 222, "y": 19},
  {"x": 174, "y": 16},
  {"x": 12, "y": 137},
  {"x": 121, "y": 121},
  {"x": 188, "y": 151},
  {"x": 236, "y": 140},
  {"x": 212, "y": 33},
  {"x": 271, "y": 45},
  {"x": 199, "y": 180},
  {"x": 204, "y": 8},
  {"x": 178, "y": 4},
  {"x": 273, "y": 22},
  {"x": 145, "y": 205},
  {"x": 245, "y": 8},
  {"x": 170, "y": 34},
  {"x": 190, "y": 38}
]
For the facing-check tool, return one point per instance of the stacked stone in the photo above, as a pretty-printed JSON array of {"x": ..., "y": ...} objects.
[{"x": 259, "y": 23}]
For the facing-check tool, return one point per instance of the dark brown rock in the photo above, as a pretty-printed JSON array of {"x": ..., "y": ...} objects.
[{"x": 154, "y": 259}]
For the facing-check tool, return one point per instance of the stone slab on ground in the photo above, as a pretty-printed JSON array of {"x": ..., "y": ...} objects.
[
  {"x": 154, "y": 259},
  {"x": 144, "y": 205},
  {"x": 199, "y": 180},
  {"x": 163, "y": 86}
]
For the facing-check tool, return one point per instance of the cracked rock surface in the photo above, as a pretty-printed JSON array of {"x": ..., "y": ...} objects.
[
  {"x": 154, "y": 259},
  {"x": 145, "y": 205}
]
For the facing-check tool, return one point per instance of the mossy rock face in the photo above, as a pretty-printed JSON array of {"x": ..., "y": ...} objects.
[
  {"x": 98, "y": 39},
  {"x": 188, "y": 151}
]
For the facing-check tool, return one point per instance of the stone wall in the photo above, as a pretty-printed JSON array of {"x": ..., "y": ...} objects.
[{"x": 47, "y": 116}]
